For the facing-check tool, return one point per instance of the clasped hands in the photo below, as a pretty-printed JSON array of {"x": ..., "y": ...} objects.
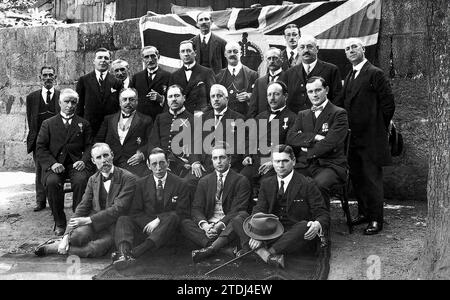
[
  {"x": 58, "y": 168},
  {"x": 212, "y": 230}
]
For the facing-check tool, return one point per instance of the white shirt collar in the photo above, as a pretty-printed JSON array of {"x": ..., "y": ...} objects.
[
  {"x": 110, "y": 172},
  {"x": 277, "y": 72},
  {"x": 224, "y": 174},
  {"x": 130, "y": 116},
  {"x": 162, "y": 179},
  {"x": 190, "y": 66},
  {"x": 44, "y": 90},
  {"x": 312, "y": 65},
  {"x": 359, "y": 66},
  {"x": 153, "y": 71},
  {"x": 289, "y": 50},
  {"x": 179, "y": 112},
  {"x": 66, "y": 116},
  {"x": 126, "y": 83},
  {"x": 278, "y": 110},
  {"x": 236, "y": 68},
  {"x": 207, "y": 37},
  {"x": 286, "y": 180},
  {"x": 222, "y": 112},
  {"x": 97, "y": 74}
]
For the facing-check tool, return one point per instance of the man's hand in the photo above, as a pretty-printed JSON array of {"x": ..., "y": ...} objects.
[
  {"x": 208, "y": 228},
  {"x": 314, "y": 228},
  {"x": 197, "y": 169},
  {"x": 254, "y": 244},
  {"x": 218, "y": 227},
  {"x": 318, "y": 137},
  {"x": 76, "y": 222},
  {"x": 247, "y": 161},
  {"x": 136, "y": 159},
  {"x": 64, "y": 245},
  {"x": 304, "y": 149},
  {"x": 266, "y": 167},
  {"x": 151, "y": 226},
  {"x": 243, "y": 97},
  {"x": 57, "y": 168},
  {"x": 79, "y": 165}
]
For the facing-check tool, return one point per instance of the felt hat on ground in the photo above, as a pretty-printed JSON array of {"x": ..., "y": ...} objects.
[{"x": 261, "y": 226}]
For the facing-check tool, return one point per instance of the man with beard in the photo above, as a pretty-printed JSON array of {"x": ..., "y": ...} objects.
[
  {"x": 121, "y": 71},
  {"x": 210, "y": 47},
  {"x": 237, "y": 79},
  {"x": 168, "y": 125},
  {"x": 99, "y": 91},
  {"x": 220, "y": 197},
  {"x": 62, "y": 149},
  {"x": 290, "y": 55},
  {"x": 194, "y": 79},
  {"x": 108, "y": 196},
  {"x": 150, "y": 83},
  {"x": 258, "y": 100},
  {"x": 41, "y": 105},
  {"x": 296, "y": 77},
  {"x": 127, "y": 133}
]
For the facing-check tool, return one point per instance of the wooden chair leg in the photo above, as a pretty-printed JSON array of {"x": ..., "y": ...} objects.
[{"x": 345, "y": 207}]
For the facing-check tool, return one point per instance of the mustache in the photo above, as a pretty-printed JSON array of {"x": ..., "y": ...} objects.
[{"x": 233, "y": 56}]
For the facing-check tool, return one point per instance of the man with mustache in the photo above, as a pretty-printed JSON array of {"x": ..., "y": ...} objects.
[
  {"x": 127, "y": 132},
  {"x": 62, "y": 149},
  {"x": 99, "y": 91},
  {"x": 41, "y": 105},
  {"x": 237, "y": 79},
  {"x": 150, "y": 83},
  {"x": 258, "y": 100},
  {"x": 121, "y": 71},
  {"x": 297, "y": 76},
  {"x": 193, "y": 78},
  {"x": 210, "y": 47},
  {"x": 290, "y": 55},
  {"x": 108, "y": 196}
]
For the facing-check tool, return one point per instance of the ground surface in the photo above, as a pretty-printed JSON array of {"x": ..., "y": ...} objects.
[{"x": 388, "y": 255}]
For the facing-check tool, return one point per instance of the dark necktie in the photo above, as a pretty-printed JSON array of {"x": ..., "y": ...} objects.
[
  {"x": 308, "y": 69},
  {"x": 66, "y": 121},
  {"x": 316, "y": 108},
  {"x": 217, "y": 119},
  {"x": 204, "y": 41},
  {"x": 352, "y": 78},
  {"x": 160, "y": 195},
  {"x": 291, "y": 59},
  {"x": 100, "y": 80},
  {"x": 219, "y": 187},
  {"x": 272, "y": 77},
  {"x": 150, "y": 76},
  {"x": 48, "y": 96},
  {"x": 109, "y": 177},
  {"x": 280, "y": 193},
  {"x": 234, "y": 73}
]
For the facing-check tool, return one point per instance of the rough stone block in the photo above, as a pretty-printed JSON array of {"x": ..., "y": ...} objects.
[
  {"x": 403, "y": 16},
  {"x": 70, "y": 67},
  {"x": 67, "y": 38},
  {"x": 13, "y": 127},
  {"x": 95, "y": 35},
  {"x": 36, "y": 39},
  {"x": 126, "y": 34},
  {"x": 13, "y": 156},
  {"x": 26, "y": 66}
]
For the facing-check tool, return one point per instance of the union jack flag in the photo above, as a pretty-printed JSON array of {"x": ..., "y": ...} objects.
[{"x": 257, "y": 29}]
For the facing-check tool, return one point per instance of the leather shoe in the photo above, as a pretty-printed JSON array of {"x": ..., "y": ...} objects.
[
  {"x": 122, "y": 261},
  {"x": 39, "y": 207},
  {"x": 373, "y": 228},
  {"x": 48, "y": 247},
  {"x": 276, "y": 260},
  {"x": 201, "y": 254},
  {"x": 59, "y": 231},
  {"x": 360, "y": 219}
]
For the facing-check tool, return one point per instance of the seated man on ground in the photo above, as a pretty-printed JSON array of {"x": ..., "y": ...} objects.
[
  {"x": 220, "y": 196},
  {"x": 108, "y": 196},
  {"x": 160, "y": 202},
  {"x": 298, "y": 204}
]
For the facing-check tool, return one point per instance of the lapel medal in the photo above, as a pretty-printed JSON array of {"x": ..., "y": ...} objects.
[
  {"x": 138, "y": 140},
  {"x": 81, "y": 127},
  {"x": 325, "y": 127},
  {"x": 285, "y": 126}
]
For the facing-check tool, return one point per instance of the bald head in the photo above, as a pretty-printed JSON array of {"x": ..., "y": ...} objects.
[{"x": 354, "y": 50}]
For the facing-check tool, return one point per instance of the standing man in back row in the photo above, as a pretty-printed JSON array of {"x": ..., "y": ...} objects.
[
  {"x": 98, "y": 91},
  {"x": 290, "y": 55}
]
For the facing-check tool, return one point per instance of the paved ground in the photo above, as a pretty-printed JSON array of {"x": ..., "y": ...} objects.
[{"x": 389, "y": 255}]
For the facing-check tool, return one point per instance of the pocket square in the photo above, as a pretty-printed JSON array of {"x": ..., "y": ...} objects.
[
  {"x": 113, "y": 90},
  {"x": 174, "y": 199}
]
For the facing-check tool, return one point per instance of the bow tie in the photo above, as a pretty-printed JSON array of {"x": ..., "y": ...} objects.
[
  {"x": 107, "y": 178},
  {"x": 187, "y": 69},
  {"x": 218, "y": 116},
  {"x": 67, "y": 119},
  {"x": 275, "y": 112},
  {"x": 316, "y": 108},
  {"x": 125, "y": 116}
]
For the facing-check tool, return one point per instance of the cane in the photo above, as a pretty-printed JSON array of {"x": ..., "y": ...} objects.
[{"x": 229, "y": 262}]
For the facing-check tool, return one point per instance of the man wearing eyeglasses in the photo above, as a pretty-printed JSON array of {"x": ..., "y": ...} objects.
[
  {"x": 290, "y": 55},
  {"x": 150, "y": 83},
  {"x": 41, "y": 105},
  {"x": 297, "y": 76},
  {"x": 210, "y": 46},
  {"x": 237, "y": 79}
]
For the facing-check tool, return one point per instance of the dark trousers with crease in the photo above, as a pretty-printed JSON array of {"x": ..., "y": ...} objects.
[
  {"x": 128, "y": 230},
  {"x": 367, "y": 181},
  {"x": 85, "y": 242}
]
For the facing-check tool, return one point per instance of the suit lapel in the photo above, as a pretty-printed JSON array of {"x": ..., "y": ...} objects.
[
  {"x": 114, "y": 187},
  {"x": 308, "y": 123},
  {"x": 299, "y": 71},
  {"x": 292, "y": 190},
  {"x": 192, "y": 81},
  {"x": 212, "y": 42},
  {"x": 317, "y": 69},
  {"x": 92, "y": 81},
  {"x": 35, "y": 108},
  {"x": 168, "y": 190},
  {"x": 228, "y": 183},
  {"x": 356, "y": 86},
  {"x": 115, "y": 124},
  {"x": 96, "y": 189},
  {"x": 73, "y": 128},
  {"x": 322, "y": 117},
  {"x": 134, "y": 124}
]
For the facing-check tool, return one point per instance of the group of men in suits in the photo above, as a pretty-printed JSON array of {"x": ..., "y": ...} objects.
[{"x": 300, "y": 98}]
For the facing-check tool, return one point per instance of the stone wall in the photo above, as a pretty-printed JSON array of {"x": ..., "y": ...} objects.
[{"x": 70, "y": 48}]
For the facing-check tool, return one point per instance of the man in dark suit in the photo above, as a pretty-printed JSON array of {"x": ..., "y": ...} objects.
[
  {"x": 127, "y": 133},
  {"x": 62, "y": 149},
  {"x": 210, "y": 47},
  {"x": 121, "y": 70},
  {"x": 160, "y": 202},
  {"x": 150, "y": 83},
  {"x": 220, "y": 197},
  {"x": 279, "y": 119},
  {"x": 367, "y": 96},
  {"x": 108, "y": 196},
  {"x": 41, "y": 105},
  {"x": 298, "y": 204},
  {"x": 195, "y": 79},
  {"x": 170, "y": 125},
  {"x": 290, "y": 56},
  {"x": 318, "y": 138},
  {"x": 296, "y": 77},
  {"x": 237, "y": 79},
  {"x": 99, "y": 91},
  {"x": 258, "y": 100}
]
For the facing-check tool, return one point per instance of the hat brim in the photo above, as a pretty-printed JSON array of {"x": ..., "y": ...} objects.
[{"x": 277, "y": 233}]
